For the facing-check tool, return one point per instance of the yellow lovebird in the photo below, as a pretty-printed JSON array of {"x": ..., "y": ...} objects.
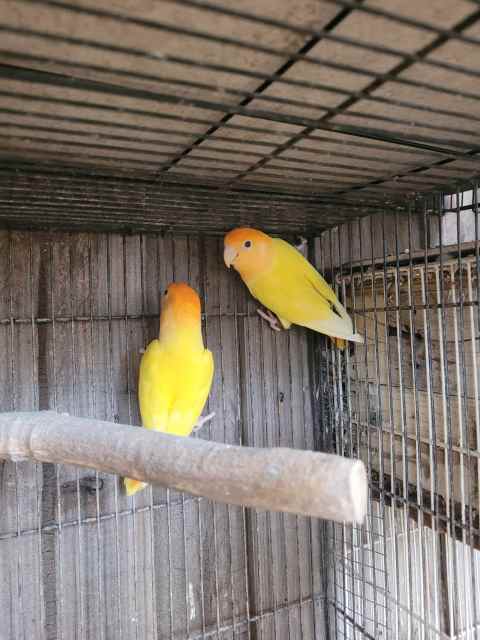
[
  {"x": 176, "y": 370},
  {"x": 279, "y": 277}
]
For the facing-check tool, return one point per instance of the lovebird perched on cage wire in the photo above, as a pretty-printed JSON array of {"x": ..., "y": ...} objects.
[
  {"x": 279, "y": 277},
  {"x": 176, "y": 370}
]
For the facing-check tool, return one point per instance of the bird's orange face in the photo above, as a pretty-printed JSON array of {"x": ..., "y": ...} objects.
[
  {"x": 181, "y": 301},
  {"x": 248, "y": 251}
]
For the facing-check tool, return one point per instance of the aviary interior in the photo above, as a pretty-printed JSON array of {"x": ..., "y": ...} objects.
[{"x": 133, "y": 135}]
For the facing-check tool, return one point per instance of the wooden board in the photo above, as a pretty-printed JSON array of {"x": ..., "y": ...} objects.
[{"x": 160, "y": 564}]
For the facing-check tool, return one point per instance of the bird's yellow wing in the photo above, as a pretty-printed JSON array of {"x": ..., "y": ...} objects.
[
  {"x": 294, "y": 290},
  {"x": 191, "y": 392},
  {"x": 301, "y": 268},
  {"x": 291, "y": 287},
  {"x": 155, "y": 387}
]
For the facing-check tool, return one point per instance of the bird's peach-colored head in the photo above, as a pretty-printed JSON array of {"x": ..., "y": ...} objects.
[
  {"x": 181, "y": 302},
  {"x": 248, "y": 251}
]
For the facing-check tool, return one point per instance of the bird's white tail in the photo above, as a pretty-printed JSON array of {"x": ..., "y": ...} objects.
[
  {"x": 356, "y": 337},
  {"x": 336, "y": 327}
]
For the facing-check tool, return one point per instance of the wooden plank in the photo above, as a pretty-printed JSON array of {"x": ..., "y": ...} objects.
[
  {"x": 24, "y": 292},
  {"x": 158, "y": 275},
  {"x": 63, "y": 373},
  {"x": 258, "y": 536},
  {"x": 49, "y": 497},
  {"x": 296, "y": 409},
  {"x": 21, "y": 602},
  {"x": 106, "y": 533},
  {"x": 133, "y": 530},
  {"x": 9, "y": 586},
  {"x": 229, "y": 533},
  {"x": 122, "y": 573},
  {"x": 198, "y": 515},
  {"x": 143, "y": 569},
  {"x": 82, "y": 286}
]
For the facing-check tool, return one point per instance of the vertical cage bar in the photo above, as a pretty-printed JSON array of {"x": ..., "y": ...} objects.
[
  {"x": 326, "y": 425},
  {"x": 465, "y": 445},
  {"x": 352, "y": 374},
  {"x": 338, "y": 427},
  {"x": 168, "y": 497},
  {"x": 151, "y": 524},
  {"x": 38, "y": 489},
  {"x": 59, "y": 553},
  {"x": 365, "y": 532},
  {"x": 93, "y": 409},
  {"x": 432, "y": 422},
  {"x": 243, "y": 440},
  {"x": 392, "y": 453},
  {"x": 225, "y": 439},
  {"x": 449, "y": 551},
  {"x": 292, "y": 443},
  {"x": 475, "y": 329},
  {"x": 74, "y": 364},
  {"x": 379, "y": 427},
  {"x": 112, "y": 410},
  {"x": 419, "y": 568},
  {"x": 19, "y": 605},
  {"x": 134, "y": 619},
  {"x": 403, "y": 426},
  {"x": 356, "y": 532}
]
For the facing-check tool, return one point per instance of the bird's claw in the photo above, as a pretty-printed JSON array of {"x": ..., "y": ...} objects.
[
  {"x": 301, "y": 244},
  {"x": 270, "y": 318},
  {"x": 202, "y": 421}
]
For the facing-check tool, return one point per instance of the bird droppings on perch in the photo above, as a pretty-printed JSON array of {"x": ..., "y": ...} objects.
[{"x": 280, "y": 479}]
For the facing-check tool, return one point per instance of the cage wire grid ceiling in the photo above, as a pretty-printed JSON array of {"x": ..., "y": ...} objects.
[{"x": 133, "y": 135}]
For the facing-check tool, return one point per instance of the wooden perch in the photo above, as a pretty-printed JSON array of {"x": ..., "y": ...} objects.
[{"x": 302, "y": 482}]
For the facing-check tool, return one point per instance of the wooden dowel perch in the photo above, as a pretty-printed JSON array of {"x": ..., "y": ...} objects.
[{"x": 302, "y": 482}]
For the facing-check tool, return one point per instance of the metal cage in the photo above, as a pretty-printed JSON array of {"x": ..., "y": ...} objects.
[{"x": 133, "y": 135}]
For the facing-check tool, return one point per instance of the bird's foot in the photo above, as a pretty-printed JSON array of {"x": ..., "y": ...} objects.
[
  {"x": 301, "y": 245},
  {"x": 202, "y": 421},
  {"x": 271, "y": 318}
]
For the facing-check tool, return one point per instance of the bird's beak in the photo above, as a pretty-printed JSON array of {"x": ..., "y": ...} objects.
[{"x": 229, "y": 255}]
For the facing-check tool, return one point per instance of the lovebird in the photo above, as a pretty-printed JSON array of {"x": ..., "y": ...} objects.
[
  {"x": 279, "y": 277},
  {"x": 176, "y": 370}
]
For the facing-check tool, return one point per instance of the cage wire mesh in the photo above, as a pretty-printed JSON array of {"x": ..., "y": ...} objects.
[{"x": 132, "y": 135}]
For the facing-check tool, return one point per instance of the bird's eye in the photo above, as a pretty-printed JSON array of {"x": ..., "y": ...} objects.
[
  {"x": 165, "y": 292},
  {"x": 247, "y": 244}
]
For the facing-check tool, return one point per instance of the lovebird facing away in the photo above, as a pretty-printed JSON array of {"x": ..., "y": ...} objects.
[
  {"x": 279, "y": 277},
  {"x": 176, "y": 370}
]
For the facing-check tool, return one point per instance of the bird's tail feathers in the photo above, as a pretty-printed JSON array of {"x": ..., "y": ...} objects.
[
  {"x": 357, "y": 337},
  {"x": 336, "y": 328},
  {"x": 132, "y": 486},
  {"x": 340, "y": 309}
]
